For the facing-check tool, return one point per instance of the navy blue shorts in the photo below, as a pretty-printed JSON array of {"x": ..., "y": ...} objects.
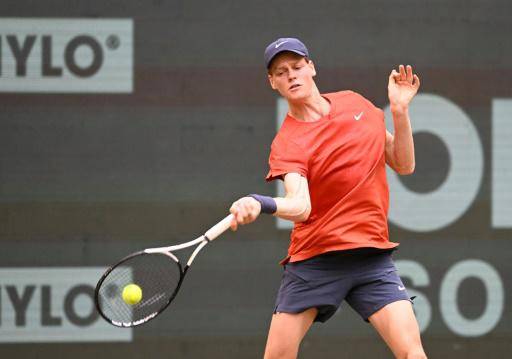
[{"x": 366, "y": 278}]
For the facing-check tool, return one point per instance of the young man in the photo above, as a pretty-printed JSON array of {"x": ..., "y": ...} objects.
[{"x": 331, "y": 153}]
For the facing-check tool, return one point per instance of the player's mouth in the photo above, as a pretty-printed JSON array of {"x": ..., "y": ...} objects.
[{"x": 294, "y": 87}]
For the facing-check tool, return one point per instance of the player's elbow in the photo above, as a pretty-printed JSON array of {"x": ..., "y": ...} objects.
[
  {"x": 304, "y": 213},
  {"x": 405, "y": 170}
]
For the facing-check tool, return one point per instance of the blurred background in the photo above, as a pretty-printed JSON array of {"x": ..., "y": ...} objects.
[{"x": 130, "y": 124}]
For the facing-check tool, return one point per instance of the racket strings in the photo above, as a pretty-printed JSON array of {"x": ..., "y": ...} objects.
[{"x": 156, "y": 274}]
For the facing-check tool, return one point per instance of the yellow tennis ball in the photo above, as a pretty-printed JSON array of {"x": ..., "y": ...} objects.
[{"x": 132, "y": 294}]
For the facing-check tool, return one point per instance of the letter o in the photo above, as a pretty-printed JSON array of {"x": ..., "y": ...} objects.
[
  {"x": 448, "y": 298},
  {"x": 70, "y": 310},
  {"x": 97, "y": 59}
]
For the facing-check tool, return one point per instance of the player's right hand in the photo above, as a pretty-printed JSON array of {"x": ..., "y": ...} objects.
[{"x": 245, "y": 210}]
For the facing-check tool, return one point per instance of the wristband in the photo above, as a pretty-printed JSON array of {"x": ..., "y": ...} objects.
[{"x": 268, "y": 204}]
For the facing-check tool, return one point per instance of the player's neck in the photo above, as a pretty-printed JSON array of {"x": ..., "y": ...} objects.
[{"x": 311, "y": 108}]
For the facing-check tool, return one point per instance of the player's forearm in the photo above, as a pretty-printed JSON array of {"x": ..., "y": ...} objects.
[
  {"x": 296, "y": 209},
  {"x": 403, "y": 143}
]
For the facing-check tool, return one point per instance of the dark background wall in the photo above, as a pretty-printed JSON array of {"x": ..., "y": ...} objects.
[{"x": 86, "y": 178}]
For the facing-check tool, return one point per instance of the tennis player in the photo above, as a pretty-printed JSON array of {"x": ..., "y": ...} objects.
[{"x": 331, "y": 153}]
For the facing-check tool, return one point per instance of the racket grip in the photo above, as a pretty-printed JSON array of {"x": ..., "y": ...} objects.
[{"x": 219, "y": 228}]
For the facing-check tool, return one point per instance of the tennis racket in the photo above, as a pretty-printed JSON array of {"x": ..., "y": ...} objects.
[{"x": 156, "y": 271}]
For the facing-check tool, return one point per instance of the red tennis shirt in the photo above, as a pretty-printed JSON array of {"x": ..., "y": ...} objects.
[{"x": 342, "y": 156}]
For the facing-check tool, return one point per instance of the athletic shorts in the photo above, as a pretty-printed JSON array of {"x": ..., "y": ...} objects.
[{"x": 365, "y": 277}]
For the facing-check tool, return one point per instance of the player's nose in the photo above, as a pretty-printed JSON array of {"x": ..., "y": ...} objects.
[{"x": 292, "y": 74}]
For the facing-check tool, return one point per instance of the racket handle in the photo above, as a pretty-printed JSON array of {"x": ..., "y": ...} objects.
[{"x": 219, "y": 228}]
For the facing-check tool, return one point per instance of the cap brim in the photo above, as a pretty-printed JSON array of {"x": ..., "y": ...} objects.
[{"x": 298, "y": 52}]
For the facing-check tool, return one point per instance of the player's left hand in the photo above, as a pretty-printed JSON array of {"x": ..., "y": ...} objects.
[{"x": 402, "y": 87}]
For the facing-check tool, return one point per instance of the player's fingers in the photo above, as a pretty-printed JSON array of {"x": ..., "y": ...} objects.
[
  {"x": 403, "y": 76},
  {"x": 233, "y": 224},
  {"x": 416, "y": 82},
  {"x": 236, "y": 210},
  {"x": 240, "y": 217},
  {"x": 409, "y": 74},
  {"x": 249, "y": 218},
  {"x": 250, "y": 214},
  {"x": 246, "y": 215},
  {"x": 398, "y": 77},
  {"x": 243, "y": 209},
  {"x": 393, "y": 76},
  {"x": 233, "y": 211}
]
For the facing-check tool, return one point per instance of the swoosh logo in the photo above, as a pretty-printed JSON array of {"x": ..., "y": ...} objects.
[
  {"x": 401, "y": 287},
  {"x": 358, "y": 117},
  {"x": 280, "y": 43}
]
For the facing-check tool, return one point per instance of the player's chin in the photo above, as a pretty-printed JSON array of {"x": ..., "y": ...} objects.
[{"x": 296, "y": 95}]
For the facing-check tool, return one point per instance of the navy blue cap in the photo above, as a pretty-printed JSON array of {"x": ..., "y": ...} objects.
[{"x": 284, "y": 44}]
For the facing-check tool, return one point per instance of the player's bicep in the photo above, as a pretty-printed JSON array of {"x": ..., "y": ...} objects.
[{"x": 296, "y": 186}]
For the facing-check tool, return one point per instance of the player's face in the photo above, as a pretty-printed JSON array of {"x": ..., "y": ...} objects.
[{"x": 292, "y": 75}]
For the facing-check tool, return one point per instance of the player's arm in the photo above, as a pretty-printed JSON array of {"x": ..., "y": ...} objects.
[
  {"x": 295, "y": 206},
  {"x": 400, "y": 151},
  {"x": 402, "y": 87}
]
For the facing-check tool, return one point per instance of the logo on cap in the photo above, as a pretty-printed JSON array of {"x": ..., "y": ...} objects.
[{"x": 279, "y": 44}]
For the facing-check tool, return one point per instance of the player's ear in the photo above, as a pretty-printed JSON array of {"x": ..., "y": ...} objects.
[
  {"x": 271, "y": 81},
  {"x": 312, "y": 65}
]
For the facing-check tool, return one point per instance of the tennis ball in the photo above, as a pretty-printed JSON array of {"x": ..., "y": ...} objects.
[{"x": 132, "y": 294}]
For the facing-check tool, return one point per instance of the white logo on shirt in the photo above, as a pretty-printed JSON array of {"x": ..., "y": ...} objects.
[
  {"x": 401, "y": 287},
  {"x": 358, "y": 117}
]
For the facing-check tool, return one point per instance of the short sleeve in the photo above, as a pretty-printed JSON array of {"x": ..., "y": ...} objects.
[{"x": 286, "y": 156}]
